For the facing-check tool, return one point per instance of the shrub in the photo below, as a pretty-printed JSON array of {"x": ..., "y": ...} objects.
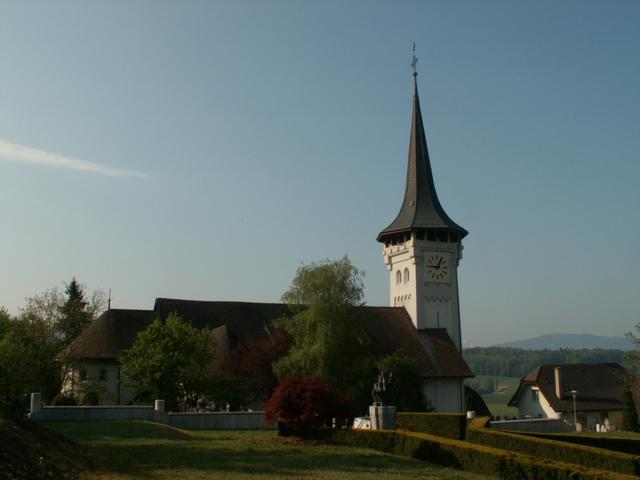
[
  {"x": 91, "y": 398},
  {"x": 467, "y": 456},
  {"x": 554, "y": 450},
  {"x": 62, "y": 400},
  {"x": 450, "y": 425},
  {"x": 626, "y": 445},
  {"x": 302, "y": 404}
]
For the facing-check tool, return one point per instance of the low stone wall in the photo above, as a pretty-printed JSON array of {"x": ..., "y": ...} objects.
[
  {"x": 540, "y": 425},
  {"x": 155, "y": 413},
  {"x": 218, "y": 421},
  {"x": 75, "y": 413}
]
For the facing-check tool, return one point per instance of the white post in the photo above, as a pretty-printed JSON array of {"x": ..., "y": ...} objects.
[
  {"x": 158, "y": 407},
  {"x": 36, "y": 403},
  {"x": 575, "y": 417}
]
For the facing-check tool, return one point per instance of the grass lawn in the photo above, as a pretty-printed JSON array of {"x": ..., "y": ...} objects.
[
  {"x": 497, "y": 402},
  {"x": 145, "y": 450}
]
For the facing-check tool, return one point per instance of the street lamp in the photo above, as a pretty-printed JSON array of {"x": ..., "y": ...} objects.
[{"x": 575, "y": 420}]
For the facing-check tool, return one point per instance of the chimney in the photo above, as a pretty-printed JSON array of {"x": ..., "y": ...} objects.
[{"x": 559, "y": 386}]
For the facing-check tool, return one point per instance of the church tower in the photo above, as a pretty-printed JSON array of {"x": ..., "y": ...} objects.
[{"x": 422, "y": 246}]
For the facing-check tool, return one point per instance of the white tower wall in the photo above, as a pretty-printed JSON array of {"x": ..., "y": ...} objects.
[{"x": 430, "y": 304}]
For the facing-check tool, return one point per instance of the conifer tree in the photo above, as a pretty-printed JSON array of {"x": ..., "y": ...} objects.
[{"x": 74, "y": 317}]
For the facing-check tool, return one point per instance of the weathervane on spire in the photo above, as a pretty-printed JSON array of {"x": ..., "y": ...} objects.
[{"x": 414, "y": 60}]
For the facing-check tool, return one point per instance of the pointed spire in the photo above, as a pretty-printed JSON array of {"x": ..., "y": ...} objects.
[{"x": 421, "y": 209}]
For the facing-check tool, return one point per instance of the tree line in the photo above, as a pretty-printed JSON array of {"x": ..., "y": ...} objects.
[
  {"x": 516, "y": 362},
  {"x": 30, "y": 341}
]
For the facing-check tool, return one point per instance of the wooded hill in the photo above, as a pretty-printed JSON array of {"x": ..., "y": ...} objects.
[{"x": 516, "y": 362}]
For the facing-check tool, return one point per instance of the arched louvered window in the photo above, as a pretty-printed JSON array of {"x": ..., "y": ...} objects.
[
  {"x": 398, "y": 277},
  {"x": 406, "y": 275}
]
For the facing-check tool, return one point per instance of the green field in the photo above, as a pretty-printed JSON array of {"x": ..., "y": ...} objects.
[
  {"x": 497, "y": 402},
  {"x": 145, "y": 450}
]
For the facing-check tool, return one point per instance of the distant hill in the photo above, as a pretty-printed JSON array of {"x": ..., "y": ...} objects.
[{"x": 570, "y": 340}]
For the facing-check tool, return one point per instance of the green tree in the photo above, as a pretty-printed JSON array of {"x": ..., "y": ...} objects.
[
  {"x": 329, "y": 340},
  {"x": 405, "y": 382},
  {"x": 26, "y": 362},
  {"x": 74, "y": 316},
  {"x": 171, "y": 360},
  {"x": 629, "y": 413}
]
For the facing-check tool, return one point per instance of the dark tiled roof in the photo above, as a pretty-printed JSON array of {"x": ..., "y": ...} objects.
[
  {"x": 474, "y": 402},
  {"x": 599, "y": 386},
  {"x": 421, "y": 208},
  {"x": 238, "y": 322},
  {"x": 246, "y": 321},
  {"x": 108, "y": 335}
]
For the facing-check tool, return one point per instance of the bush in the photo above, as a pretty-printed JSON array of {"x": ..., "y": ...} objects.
[
  {"x": 62, "y": 400},
  {"x": 303, "y": 404},
  {"x": 450, "y": 425},
  {"x": 466, "y": 456},
  {"x": 91, "y": 398},
  {"x": 554, "y": 450},
  {"x": 626, "y": 445}
]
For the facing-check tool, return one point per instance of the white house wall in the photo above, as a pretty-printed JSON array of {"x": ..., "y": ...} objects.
[
  {"x": 540, "y": 408},
  {"x": 115, "y": 390},
  {"x": 445, "y": 395}
]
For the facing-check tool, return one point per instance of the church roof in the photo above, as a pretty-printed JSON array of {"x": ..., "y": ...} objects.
[
  {"x": 421, "y": 208},
  {"x": 108, "y": 335},
  {"x": 238, "y": 322},
  {"x": 599, "y": 386}
]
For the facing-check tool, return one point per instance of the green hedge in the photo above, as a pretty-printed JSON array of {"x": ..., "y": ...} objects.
[
  {"x": 450, "y": 425},
  {"x": 470, "y": 457},
  {"x": 625, "y": 445},
  {"x": 590, "y": 457}
]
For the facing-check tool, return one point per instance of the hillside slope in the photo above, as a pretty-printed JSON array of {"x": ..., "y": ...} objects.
[
  {"x": 570, "y": 340},
  {"x": 28, "y": 451}
]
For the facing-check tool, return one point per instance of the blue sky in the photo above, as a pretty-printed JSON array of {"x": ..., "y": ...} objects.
[{"x": 205, "y": 150}]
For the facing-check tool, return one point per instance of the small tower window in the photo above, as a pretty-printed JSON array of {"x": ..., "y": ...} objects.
[
  {"x": 406, "y": 275},
  {"x": 398, "y": 277},
  {"x": 82, "y": 374},
  {"x": 103, "y": 374}
]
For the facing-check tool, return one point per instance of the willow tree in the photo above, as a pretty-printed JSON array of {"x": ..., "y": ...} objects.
[{"x": 329, "y": 340}]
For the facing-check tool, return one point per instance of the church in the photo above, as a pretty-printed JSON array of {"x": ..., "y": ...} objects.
[{"x": 422, "y": 248}]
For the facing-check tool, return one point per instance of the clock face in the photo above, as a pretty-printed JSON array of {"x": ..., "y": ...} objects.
[{"x": 438, "y": 268}]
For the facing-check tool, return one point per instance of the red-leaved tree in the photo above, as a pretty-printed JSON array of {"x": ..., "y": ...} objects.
[
  {"x": 306, "y": 403},
  {"x": 251, "y": 365}
]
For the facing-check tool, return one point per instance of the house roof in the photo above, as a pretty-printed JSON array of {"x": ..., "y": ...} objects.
[
  {"x": 239, "y": 322},
  {"x": 108, "y": 335},
  {"x": 421, "y": 208},
  {"x": 599, "y": 386}
]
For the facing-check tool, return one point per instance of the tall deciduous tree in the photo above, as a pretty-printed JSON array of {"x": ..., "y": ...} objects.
[
  {"x": 251, "y": 366},
  {"x": 629, "y": 412},
  {"x": 329, "y": 340},
  {"x": 405, "y": 383},
  {"x": 171, "y": 360}
]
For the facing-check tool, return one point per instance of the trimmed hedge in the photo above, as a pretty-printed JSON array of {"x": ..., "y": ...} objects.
[
  {"x": 449, "y": 425},
  {"x": 467, "y": 456},
  {"x": 590, "y": 457},
  {"x": 625, "y": 445}
]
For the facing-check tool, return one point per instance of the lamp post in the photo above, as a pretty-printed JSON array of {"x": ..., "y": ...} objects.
[{"x": 575, "y": 419}]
